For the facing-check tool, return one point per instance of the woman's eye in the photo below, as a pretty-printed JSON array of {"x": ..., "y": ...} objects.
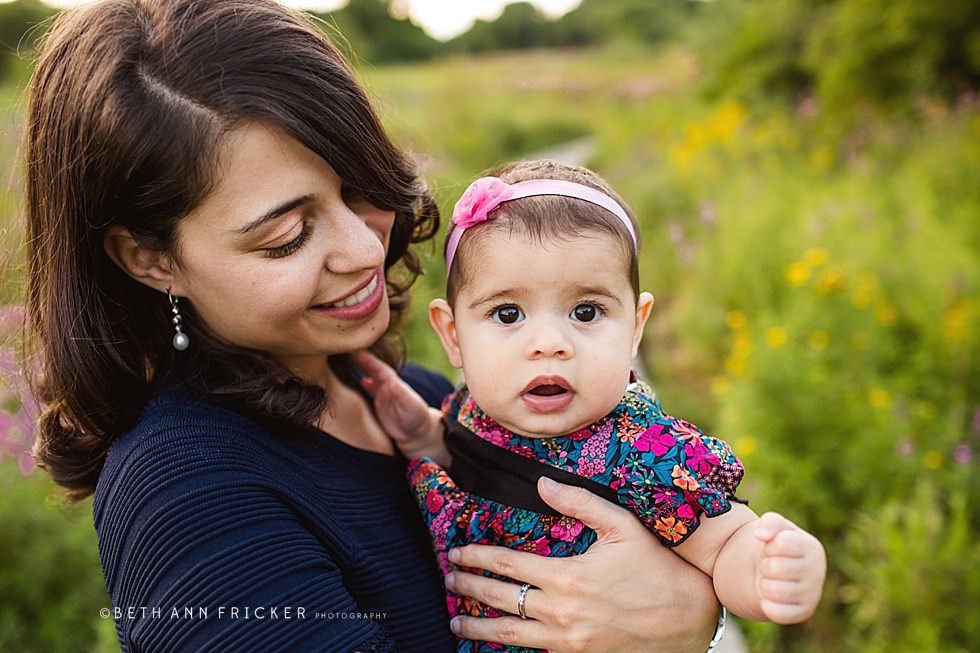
[
  {"x": 291, "y": 246},
  {"x": 586, "y": 313},
  {"x": 507, "y": 314}
]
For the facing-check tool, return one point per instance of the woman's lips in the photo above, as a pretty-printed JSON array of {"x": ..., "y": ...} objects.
[
  {"x": 361, "y": 309},
  {"x": 548, "y": 393}
]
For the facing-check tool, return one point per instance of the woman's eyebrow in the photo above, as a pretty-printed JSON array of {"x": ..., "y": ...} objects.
[{"x": 272, "y": 214}]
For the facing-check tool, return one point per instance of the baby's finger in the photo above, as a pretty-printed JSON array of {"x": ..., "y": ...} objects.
[
  {"x": 780, "y": 591},
  {"x": 790, "y": 544},
  {"x": 784, "y": 568},
  {"x": 373, "y": 366},
  {"x": 782, "y": 613},
  {"x": 771, "y": 524}
]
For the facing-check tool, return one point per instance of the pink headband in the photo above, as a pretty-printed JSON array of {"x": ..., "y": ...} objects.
[{"x": 487, "y": 193}]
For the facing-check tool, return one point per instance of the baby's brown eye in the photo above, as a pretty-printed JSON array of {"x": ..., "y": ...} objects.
[
  {"x": 507, "y": 314},
  {"x": 585, "y": 313}
]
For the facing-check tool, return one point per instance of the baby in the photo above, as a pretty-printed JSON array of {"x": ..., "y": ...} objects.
[{"x": 544, "y": 315}]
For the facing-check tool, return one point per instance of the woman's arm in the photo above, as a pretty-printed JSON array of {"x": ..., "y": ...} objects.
[{"x": 626, "y": 593}]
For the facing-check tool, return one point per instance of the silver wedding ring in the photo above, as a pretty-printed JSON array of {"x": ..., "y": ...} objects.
[{"x": 521, "y": 598}]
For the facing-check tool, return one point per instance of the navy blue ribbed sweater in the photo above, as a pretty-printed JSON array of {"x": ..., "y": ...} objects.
[{"x": 201, "y": 509}]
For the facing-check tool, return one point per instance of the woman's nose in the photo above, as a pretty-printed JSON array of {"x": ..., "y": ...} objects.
[
  {"x": 549, "y": 340},
  {"x": 352, "y": 245}
]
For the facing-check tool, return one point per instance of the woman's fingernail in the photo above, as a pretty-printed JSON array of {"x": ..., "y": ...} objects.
[
  {"x": 548, "y": 485},
  {"x": 451, "y": 581},
  {"x": 454, "y": 625},
  {"x": 453, "y": 555}
]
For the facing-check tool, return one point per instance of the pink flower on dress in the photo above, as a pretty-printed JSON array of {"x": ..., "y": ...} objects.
[
  {"x": 656, "y": 440},
  {"x": 700, "y": 457},
  {"x": 482, "y": 197},
  {"x": 567, "y": 529},
  {"x": 541, "y": 546},
  {"x": 434, "y": 501},
  {"x": 619, "y": 477},
  {"x": 685, "y": 511}
]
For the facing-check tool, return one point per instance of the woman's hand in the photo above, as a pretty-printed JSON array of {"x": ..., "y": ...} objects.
[
  {"x": 626, "y": 593},
  {"x": 415, "y": 428}
]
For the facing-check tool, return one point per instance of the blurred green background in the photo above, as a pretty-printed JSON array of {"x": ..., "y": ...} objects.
[{"x": 807, "y": 177}]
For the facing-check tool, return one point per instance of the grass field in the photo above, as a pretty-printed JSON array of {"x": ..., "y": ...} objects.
[{"x": 817, "y": 306}]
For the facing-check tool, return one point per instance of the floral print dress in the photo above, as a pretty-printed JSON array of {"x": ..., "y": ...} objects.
[{"x": 663, "y": 469}]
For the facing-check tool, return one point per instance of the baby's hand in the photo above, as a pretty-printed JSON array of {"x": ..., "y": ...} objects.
[
  {"x": 415, "y": 428},
  {"x": 791, "y": 571}
]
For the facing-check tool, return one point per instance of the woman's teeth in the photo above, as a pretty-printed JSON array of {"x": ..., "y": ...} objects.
[{"x": 359, "y": 296}]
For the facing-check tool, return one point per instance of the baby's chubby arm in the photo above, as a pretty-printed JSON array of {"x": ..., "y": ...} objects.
[
  {"x": 764, "y": 568},
  {"x": 415, "y": 428}
]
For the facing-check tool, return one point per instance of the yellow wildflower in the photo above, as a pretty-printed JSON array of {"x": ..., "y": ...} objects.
[
  {"x": 885, "y": 313},
  {"x": 735, "y": 365},
  {"x": 735, "y": 319},
  {"x": 797, "y": 274},
  {"x": 822, "y": 158},
  {"x": 932, "y": 460},
  {"x": 865, "y": 290},
  {"x": 818, "y": 339},
  {"x": 816, "y": 257},
  {"x": 831, "y": 281},
  {"x": 777, "y": 337},
  {"x": 860, "y": 341},
  {"x": 956, "y": 323},
  {"x": 879, "y": 398},
  {"x": 742, "y": 345},
  {"x": 726, "y": 121}
]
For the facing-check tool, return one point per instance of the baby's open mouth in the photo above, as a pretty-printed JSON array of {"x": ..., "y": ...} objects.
[
  {"x": 547, "y": 390},
  {"x": 547, "y": 393}
]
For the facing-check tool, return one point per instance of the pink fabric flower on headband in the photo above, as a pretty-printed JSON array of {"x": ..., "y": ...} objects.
[{"x": 482, "y": 197}]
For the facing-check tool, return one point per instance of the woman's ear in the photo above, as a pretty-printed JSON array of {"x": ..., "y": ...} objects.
[
  {"x": 644, "y": 306},
  {"x": 147, "y": 266},
  {"x": 442, "y": 320}
]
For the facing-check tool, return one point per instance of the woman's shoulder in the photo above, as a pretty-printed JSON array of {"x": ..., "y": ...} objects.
[{"x": 181, "y": 435}]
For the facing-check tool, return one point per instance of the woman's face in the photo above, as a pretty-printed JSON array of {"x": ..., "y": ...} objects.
[{"x": 282, "y": 257}]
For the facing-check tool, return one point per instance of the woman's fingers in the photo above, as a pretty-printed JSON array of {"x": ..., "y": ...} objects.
[
  {"x": 608, "y": 520},
  {"x": 496, "y": 593},
  {"x": 528, "y": 567},
  {"x": 505, "y": 630}
]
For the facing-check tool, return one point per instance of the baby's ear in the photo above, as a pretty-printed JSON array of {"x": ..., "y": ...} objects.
[
  {"x": 644, "y": 306},
  {"x": 442, "y": 320}
]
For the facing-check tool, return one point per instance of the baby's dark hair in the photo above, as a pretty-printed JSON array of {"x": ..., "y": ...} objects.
[{"x": 547, "y": 217}]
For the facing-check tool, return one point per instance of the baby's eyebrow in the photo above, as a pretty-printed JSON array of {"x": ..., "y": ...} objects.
[
  {"x": 596, "y": 290},
  {"x": 499, "y": 294}
]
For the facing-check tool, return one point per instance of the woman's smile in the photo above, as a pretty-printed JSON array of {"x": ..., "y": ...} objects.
[{"x": 359, "y": 304}]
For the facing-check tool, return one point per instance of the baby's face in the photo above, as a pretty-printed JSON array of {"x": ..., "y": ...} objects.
[{"x": 545, "y": 333}]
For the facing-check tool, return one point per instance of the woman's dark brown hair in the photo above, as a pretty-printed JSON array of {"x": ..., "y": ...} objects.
[{"x": 128, "y": 104}]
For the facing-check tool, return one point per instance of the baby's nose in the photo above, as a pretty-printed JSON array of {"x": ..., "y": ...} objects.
[{"x": 549, "y": 343}]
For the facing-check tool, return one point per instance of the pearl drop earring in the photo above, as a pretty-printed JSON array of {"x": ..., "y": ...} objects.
[{"x": 180, "y": 341}]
